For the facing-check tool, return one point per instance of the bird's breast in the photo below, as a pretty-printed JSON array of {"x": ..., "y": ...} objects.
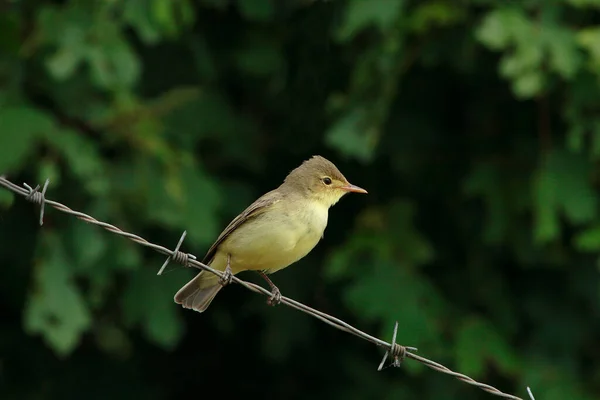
[{"x": 275, "y": 239}]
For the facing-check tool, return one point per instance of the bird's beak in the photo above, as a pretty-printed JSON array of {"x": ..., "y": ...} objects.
[{"x": 353, "y": 188}]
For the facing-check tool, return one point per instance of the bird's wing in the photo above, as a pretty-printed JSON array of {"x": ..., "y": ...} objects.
[{"x": 255, "y": 209}]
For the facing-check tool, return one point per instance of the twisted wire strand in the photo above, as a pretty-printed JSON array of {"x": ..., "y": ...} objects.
[{"x": 393, "y": 350}]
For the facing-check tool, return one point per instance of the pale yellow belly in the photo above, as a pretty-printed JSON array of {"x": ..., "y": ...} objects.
[{"x": 268, "y": 245}]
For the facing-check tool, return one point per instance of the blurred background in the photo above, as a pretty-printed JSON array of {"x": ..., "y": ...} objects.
[{"x": 473, "y": 124}]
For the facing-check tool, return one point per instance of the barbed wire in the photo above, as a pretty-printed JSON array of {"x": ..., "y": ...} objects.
[{"x": 394, "y": 351}]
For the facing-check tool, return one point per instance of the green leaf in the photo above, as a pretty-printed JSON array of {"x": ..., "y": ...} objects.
[
  {"x": 478, "y": 344},
  {"x": 350, "y": 136},
  {"x": 82, "y": 157},
  {"x": 202, "y": 199},
  {"x": 49, "y": 169},
  {"x": 137, "y": 13},
  {"x": 340, "y": 262},
  {"x": 256, "y": 10},
  {"x": 88, "y": 244},
  {"x": 577, "y": 194},
  {"x": 391, "y": 292},
  {"x": 64, "y": 62},
  {"x": 388, "y": 234},
  {"x": 360, "y": 14},
  {"x": 524, "y": 61},
  {"x": 500, "y": 27},
  {"x": 72, "y": 41},
  {"x": 589, "y": 39},
  {"x": 190, "y": 198},
  {"x": 575, "y": 137},
  {"x": 162, "y": 13},
  {"x": 20, "y": 128},
  {"x": 433, "y": 14},
  {"x": 148, "y": 302},
  {"x": 162, "y": 206},
  {"x": 528, "y": 85},
  {"x": 552, "y": 381},
  {"x": 562, "y": 185},
  {"x": 564, "y": 54},
  {"x": 113, "y": 63},
  {"x": 493, "y": 31},
  {"x": 588, "y": 240},
  {"x": 546, "y": 204},
  {"x": 55, "y": 308}
]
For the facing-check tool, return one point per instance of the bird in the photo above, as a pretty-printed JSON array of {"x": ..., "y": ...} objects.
[{"x": 278, "y": 229}]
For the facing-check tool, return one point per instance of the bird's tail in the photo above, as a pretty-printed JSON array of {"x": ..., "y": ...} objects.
[{"x": 199, "y": 292}]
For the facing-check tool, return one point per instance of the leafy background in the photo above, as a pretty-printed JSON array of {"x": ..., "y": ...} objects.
[{"x": 475, "y": 126}]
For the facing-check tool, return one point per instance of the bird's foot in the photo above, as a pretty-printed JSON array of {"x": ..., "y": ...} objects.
[
  {"x": 275, "y": 298},
  {"x": 227, "y": 277}
]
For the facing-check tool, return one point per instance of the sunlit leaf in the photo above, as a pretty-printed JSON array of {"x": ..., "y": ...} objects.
[
  {"x": 500, "y": 26},
  {"x": 528, "y": 84},
  {"x": 64, "y": 62},
  {"x": 564, "y": 55},
  {"x": 589, "y": 240},
  {"x": 589, "y": 39},
  {"x": 493, "y": 31}
]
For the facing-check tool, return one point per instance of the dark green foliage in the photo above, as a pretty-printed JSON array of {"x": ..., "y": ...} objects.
[{"x": 474, "y": 125}]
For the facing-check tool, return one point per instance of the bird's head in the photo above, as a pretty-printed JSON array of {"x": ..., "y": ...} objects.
[{"x": 320, "y": 179}]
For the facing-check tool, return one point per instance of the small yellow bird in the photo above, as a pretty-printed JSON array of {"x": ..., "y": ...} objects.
[{"x": 277, "y": 230}]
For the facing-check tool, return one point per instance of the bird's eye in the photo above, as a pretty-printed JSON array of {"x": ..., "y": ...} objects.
[{"x": 327, "y": 180}]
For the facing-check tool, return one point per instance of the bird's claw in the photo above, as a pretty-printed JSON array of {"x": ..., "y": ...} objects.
[
  {"x": 275, "y": 298},
  {"x": 227, "y": 277}
]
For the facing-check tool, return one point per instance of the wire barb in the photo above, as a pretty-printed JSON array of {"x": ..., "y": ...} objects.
[
  {"x": 530, "y": 394},
  {"x": 393, "y": 349},
  {"x": 177, "y": 256},
  {"x": 396, "y": 352},
  {"x": 37, "y": 197}
]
